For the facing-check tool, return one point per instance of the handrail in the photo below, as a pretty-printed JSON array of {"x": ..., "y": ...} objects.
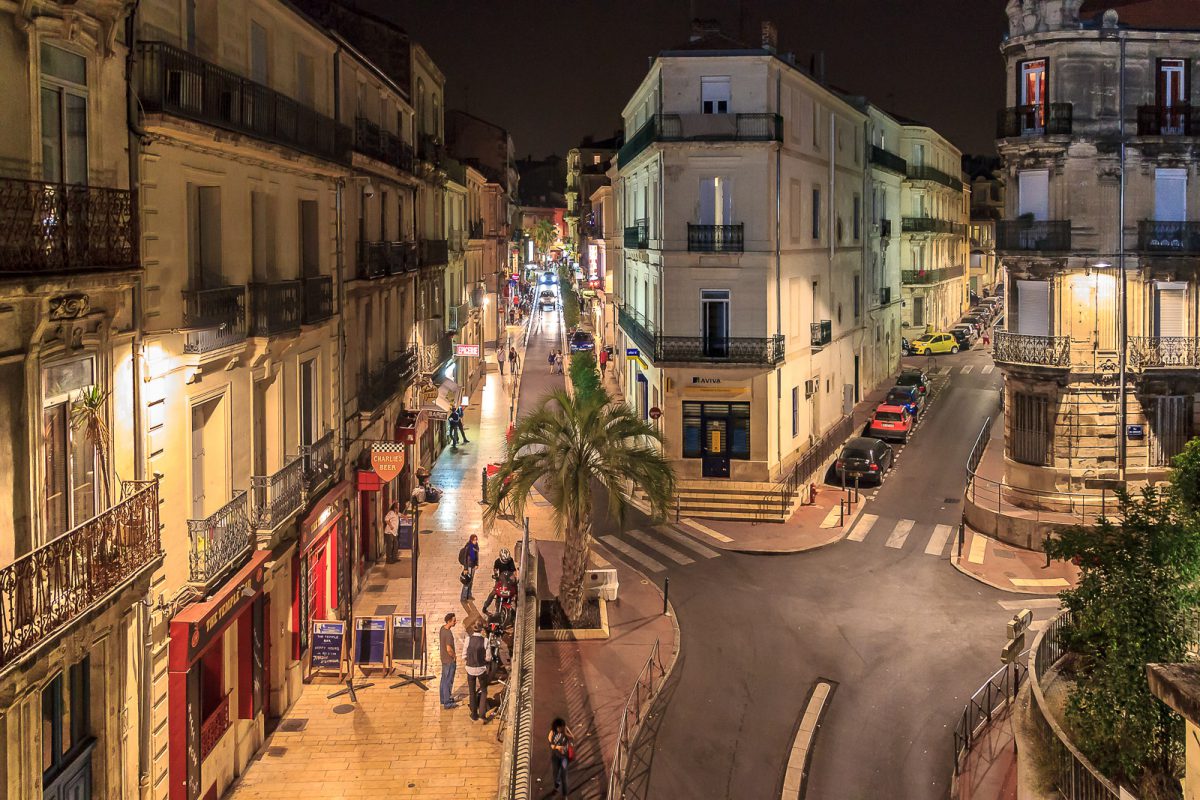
[
  {"x": 977, "y": 714},
  {"x": 778, "y": 502},
  {"x": 516, "y": 714},
  {"x": 626, "y": 733}
]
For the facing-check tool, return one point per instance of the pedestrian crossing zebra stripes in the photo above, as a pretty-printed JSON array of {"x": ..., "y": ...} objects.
[
  {"x": 895, "y": 533},
  {"x": 654, "y": 549}
]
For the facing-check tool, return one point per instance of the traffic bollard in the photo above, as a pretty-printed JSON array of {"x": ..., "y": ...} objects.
[
  {"x": 666, "y": 593},
  {"x": 962, "y": 534},
  {"x": 483, "y": 493}
]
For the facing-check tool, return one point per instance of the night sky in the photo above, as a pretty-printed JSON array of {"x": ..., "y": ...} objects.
[{"x": 553, "y": 71}]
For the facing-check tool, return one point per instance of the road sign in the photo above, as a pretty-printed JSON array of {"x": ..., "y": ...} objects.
[
  {"x": 1012, "y": 649},
  {"x": 1019, "y": 623},
  {"x": 467, "y": 350},
  {"x": 1135, "y": 431},
  {"x": 655, "y": 412},
  {"x": 632, "y": 352}
]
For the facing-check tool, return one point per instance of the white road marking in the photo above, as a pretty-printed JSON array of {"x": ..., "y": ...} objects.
[
  {"x": 942, "y": 371},
  {"x": 632, "y": 552},
  {"x": 900, "y": 533},
  {"x": 987, "y": 370},
  {"x": 1036, "y": 602},
  {"x": 669, "y": 552},
  {"x": 1032, "y": 582},
  {"x": 862, "y": 527},
  {"x": 707, "y": 531},
  {"x": 687, "y": 541},
  {"x": 966, "y": 369},
  {"x": 937, "y": 542},
  {"x": 978, "y": 548}
]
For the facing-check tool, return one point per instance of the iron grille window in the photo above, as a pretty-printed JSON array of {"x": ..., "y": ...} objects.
[
  {"x": 1031, "y": 430},
  {"x": 1171, "y": 428}
]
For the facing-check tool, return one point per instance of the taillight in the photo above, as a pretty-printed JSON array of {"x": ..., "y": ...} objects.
[
  {"x": 838, "y": 463},
  {"x": 874, "y": 468}
]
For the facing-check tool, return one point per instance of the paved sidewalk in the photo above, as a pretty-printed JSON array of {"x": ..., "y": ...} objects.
[
  {"x": 990, "y": 770},
  {"x": 1012, "y": 569}
]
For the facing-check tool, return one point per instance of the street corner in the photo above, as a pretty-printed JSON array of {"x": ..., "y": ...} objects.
[{"x": 1012, "y": 569}]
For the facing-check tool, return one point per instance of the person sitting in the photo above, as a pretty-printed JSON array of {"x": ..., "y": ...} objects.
[{"x": 504, "y": 565}]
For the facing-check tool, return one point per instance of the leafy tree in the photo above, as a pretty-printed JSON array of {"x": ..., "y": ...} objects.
[
  {"x": 1136, "y": 603},
  {"x": 585, "y": 377},
  {"x": 580, "y": 449},
  {"x": 545, "y": 235}
]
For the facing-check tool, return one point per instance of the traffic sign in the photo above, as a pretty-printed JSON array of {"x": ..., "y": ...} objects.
[
  {"x": 1019, "y": 623},
  {"x": 1012, "y": 649},
  {"x": 655, "y": 412}
]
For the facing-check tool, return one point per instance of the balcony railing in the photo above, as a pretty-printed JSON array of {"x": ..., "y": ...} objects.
[
  {"x": 274, "y": 308},
  {"x": 274, "y": 498},
  {"x": 218, "y": 317},
  {"x": 759, "y": 127},
  {"x": 638, "y": 328},
  {"x": 434, "y": 253},
  {"x": 386, "y": 381},
  {"x": 716, "y": 238},
  {"x": 1050, "y": 119},
  {"x": 637, "y": 235},
  {"x": 1168, "y": 237},
  {"x": 318, "y": 462},
  {"x": 475, "y": 230},
  {"x": 214, "y": 727},
  {"x": 435, "y": 353},
  {"x": 925, "y": 173},
  {"x": 1164, "y": 352},
  {"x": 1180, "y": 120},
  {"x": 44, "y": 591},
  {"x": 821, "y": 333},
  {"x": 374, "y": 142},
  {"x": 930, "y": 225},
  {"x": 46, "y": 227},
  {"x": 220, "y": 542},
  {"x": 724, "y": 349},
  {"x": 1038, "y": 351},
  {"x": 888, "y": 160},
  {"x": 378, "y": 259},
  {"x": 456, "y": 319},
  {"x": 885, "y": 295},
  {"x": 318, "y": 299},
  {"x": 456, "y": 240},
  {"x": 174, "y": 81},
  {"x": 430, "y": 150},
  {"x": 1026, "y": 235},
  {"x": 918, "y": 277}
]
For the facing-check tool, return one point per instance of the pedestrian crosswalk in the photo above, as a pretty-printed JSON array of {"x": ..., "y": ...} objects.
[
  {"x": 895, "y": 533},
  {"x": 656, "y": 548}
]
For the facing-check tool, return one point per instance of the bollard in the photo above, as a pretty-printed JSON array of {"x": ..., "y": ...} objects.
[
  {"x": 666, "y": 593},
  {"x": 483, "y": 495},
  {"x": 677, "y": 508},
  {"x": 962, "y": 534}
]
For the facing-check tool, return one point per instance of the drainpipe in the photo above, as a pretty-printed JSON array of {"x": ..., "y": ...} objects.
[
  {"x": 778, "y": 273},
  {"x": 1123, "y": 415}
]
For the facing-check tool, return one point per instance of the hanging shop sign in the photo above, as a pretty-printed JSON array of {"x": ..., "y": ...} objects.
[
  {"x": 387, "y": 459},
  {"x": 466, "y": 350}
]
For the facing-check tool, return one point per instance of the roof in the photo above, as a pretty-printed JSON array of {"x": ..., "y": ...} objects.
[
  {"x": 1146, "y": 14},
  {"x": 708, "y": 39}
]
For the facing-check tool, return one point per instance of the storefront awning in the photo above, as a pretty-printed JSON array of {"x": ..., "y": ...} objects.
[{"x": 197, "y": 625}]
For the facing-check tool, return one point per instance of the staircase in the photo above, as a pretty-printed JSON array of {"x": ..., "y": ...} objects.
[{"x": 742, "y": 501}]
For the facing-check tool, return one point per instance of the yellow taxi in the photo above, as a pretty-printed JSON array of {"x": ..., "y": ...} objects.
[{"x": 932, "y": 343}]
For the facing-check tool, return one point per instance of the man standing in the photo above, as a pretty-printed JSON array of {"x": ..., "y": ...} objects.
[
  {"x": 391, "y": 528},
  {"x": 456, "y": 424},
  {"x": 475, "y": 657},
  {"x": 468, "y": 557},
  {"x": 603, "y": 361},
  {"x": 513, "y": 361},
  {"x": 449, "y": 664}
]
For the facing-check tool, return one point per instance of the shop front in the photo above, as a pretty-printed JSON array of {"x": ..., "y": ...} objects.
[
  {"x": 323, "y": 564},
  {"x": 217, "y": 684},
  {"x": 718, "y": 418}
]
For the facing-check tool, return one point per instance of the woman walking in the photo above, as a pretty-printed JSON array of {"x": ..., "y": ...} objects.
[{"x": 561, "y": 749}]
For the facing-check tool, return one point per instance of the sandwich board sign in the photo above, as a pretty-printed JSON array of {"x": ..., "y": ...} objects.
[
  {"x": 371, "y": 645},
  {"x": 327, "y": 647},
  {"x": 403, "y": 646}
]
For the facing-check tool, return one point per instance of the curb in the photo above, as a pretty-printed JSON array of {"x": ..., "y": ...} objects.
[
  {"x": 1032, "y": 591},
  {"x": 842, "y": 533}
]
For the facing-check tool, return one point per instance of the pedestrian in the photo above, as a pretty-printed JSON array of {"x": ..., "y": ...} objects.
[
  {"x": 558, "y": 362},
  {"x": 391, "y": 528},
  {"x": 446, "y": 639},
  {"x": 551, "y": 358},
  {"x": 603, "y": 361},
  {"x": 475, "y": 656},
  {"x": 987, "y": 337},
  {"x": 468, "y": 557},
  {"x": 561, "y": 751},
  {"x": 513, "y": 360},
  {"x": 457, "y": 431}
]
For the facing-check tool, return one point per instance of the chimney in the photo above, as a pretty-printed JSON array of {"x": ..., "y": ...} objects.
[
  {"x": 816, "y": 66},
  {"x": 770, "y": 36}
]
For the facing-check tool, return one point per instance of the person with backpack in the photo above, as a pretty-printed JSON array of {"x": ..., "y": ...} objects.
[
  {"x": 477, "y": 657},
  {"x": 468, "y": 557},
  {"x": 457, "y": 429},
  {"x": 562, "y": 751}
]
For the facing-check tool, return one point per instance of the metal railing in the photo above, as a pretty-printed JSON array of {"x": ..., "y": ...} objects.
[
  {"x": 751, "y": 127},
  {"x": 218, "y": 317},
  {"x": 1073, "y": 775},
  {"x": 214, "y": 726},
  {"x": 383, "y": 383},
  {"x": 220, "y": 542},
  {"x": 174, "y": 81},
  {"x": 276, "y": 497},
  {"x": 1029, "y": 235},
  {"x": 46, "y": 589},
  {"x": 888, "y": 160},
  {"x": 378, "y": 259},
  {"x": 515, "y": 731},
  {"x": 716, "y": 238},
  {"x": 727, "y": 349},
  {"x": 1179, "y": 120},
  {"x": 1047, "y": 119},
  {"x": 777, "y": 504},
  {"x": 1164, "y": 352},
  {"x": 1155, "y": 236},
  {"x": 927, "y": 276},
  {"x": 381, "y": 145},
  {"x": 1039, "y": 351},
  {"x": 457, "y": 317},
  {"x": 433, "y": 253},
  {"x": 50, "y": 227},
  {"x": 647, "y": 686},
  {"x": 430, "y": 149},
  {"x": 274, "y": 308},
  {"x": 318, "y": 461},
  {"x": 987, "y": 702},
  {"x": 921, "y": 172},
  {"x": 318, "y": 299},
  {"x": 820, "y": 333},
  {"x": 637, "y": 235},
  {"x": 929, "y": 225}
]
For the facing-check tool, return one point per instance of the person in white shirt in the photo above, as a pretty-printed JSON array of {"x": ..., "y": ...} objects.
[
  {"x": 476, "y": 657},
  {"x": 391, "y": 527}
]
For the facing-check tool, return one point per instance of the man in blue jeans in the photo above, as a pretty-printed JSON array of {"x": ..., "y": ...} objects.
[{"x": 448, "y": 661}]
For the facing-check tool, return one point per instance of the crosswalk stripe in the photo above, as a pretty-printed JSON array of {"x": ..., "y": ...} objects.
[
  {"x": 1034, "y": 582},
  {"x": 942, "y": 371},
  {"x": 966, "y": 369},
  {"x": 937, "y": 542},
  {"x": 654, "y": 544},
  {"x": 632, "y": 552},
  {"x": 862, "y": 527},
  {"x": 707, "y": 531},
  {"x": 987, "y": 370},
  {"x": 687, "y": 541},
  {"x": 900, "y": 533},
  {"x": 1035, "y": 602},
  {"x": 978, "y": 548}
]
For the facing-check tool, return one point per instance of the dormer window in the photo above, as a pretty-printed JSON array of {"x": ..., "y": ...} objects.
[{"x": 714, "y": 95}]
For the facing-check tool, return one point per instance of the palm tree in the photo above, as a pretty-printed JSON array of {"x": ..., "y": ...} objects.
[
  {"x": 544, "y": 234},
  {"x": 570, "y": 445},
  {"x": 87, "y": 413}
]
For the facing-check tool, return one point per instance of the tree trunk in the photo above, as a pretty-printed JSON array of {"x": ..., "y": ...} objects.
[{"x": 574, "y": 565}]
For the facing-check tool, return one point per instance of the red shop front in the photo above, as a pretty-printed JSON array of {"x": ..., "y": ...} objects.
[
  {"x": 321, "y": 570},
  {"x": 205, "y": 703}
]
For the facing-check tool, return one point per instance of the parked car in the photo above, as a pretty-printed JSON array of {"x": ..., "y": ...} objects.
[
  {"x": 548, "y": 300},
  {"x": 964, "y": 337},
  {"x": 987, "y": 312},
  {"x": 863, "y": 457},
  {"x": 995, "y": 301},
  {"x": 582, "y": 340},
  {"x": 969, "y": 330},
  {"x": 891, "y": 423},
  {"x": 973, "y": 319},
  {"x": 932, "y": 343},
  {"x": 914, "y": 377},
  {"x": 907, "y": 396}
]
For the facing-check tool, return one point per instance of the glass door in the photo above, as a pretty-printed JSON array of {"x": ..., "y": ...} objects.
[
  {"x": 1033, "y": 96},
  {"x": 714, "y": 317},
  {"x": 716, "y": 447},
  {"x": 1172, "y": 94}
]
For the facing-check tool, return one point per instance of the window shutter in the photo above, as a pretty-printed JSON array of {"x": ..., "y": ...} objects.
[
  {"x": 1033, "y": 308},
  {"x": 1171, "y": 319},
  {"x": 708, "y": 193},
  {"x": 1033, "y": 187},
  {"x": 1170, "y": 195}
]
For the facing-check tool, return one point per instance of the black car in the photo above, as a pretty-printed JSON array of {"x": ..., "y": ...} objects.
[
  {"x": 908, "y": 396},
  {"x": 962, "y": 337},
  {"x": 864, "y": 457},
  {"x": 973, "y": 319},
  {"x": 913, "y": 377}
]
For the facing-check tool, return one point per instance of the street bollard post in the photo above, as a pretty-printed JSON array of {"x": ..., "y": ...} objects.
[
  {"x": 962, "y": 534},
  {"x": 483, "y": 493},
  {"x": 677, "y": 508},
  {"x": 666, "y": 593}
]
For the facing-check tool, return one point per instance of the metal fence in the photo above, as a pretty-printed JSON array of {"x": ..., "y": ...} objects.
[
  {"x": 649, "y": 682},
  {"x": 987, "y": 702},
  {"x": 776, "y": 505},
  {"x": 516, "y": 712}
]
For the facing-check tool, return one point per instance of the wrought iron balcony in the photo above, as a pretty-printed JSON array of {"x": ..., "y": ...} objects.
[
  {"x": 1164, "y": 352},
  {"x": 758, "y": 127},
  {"x": 274, "y": 498},
  {"x": 929, "y": 225},
  {"x": 1029, "y": 235},
  {"x": 1048, "y": 119},
  {"x": 638, "y": 328},
  {"x": 318, "y": 462},
  {"x": 274, "y": 308},
  {"x": 925, "y": 173},
  {"x": 379, "y": 259},
  {"x": 46, "y": 227},
  {"x": 374, "y": 142},
  {"x": 918, "y": 277},
  {"x": 46, "y": 590},
  {"x": 1168, "y": 237},
  {"x": 318, "y": 299},
  {"x": 435, "y": 353},
  {"x": 385, "y": 382},
  {"x": 221, "y": 542},
  {"x": 456, "y": 319},
  {"x": 888, "y": 160},
  {"x": 637, "y": 236},
  {"x": 475, "y": 231},
  {"x": 1037, "y": 351},
  {"x": 698, "y": 349},
  {"x": 176, "y": 82},
  {"x": 716, "y": 238},
  {"x": 217, "y": 317},
  {"x": 430, "y": 150},
  {"x": 434, "y": 253},
  {"x": 214, "y": 726},
  {"x": 821, "y": 332},
  {"x": 1180, "y": 120}
]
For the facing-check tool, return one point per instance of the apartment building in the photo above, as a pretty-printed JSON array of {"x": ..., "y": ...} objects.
[
  {"x": 742, "y": 291},
  {"x": 1098, "y": 244},
  {"x": 81, "y": 544},
  {"x": 886, "y": 186},
  {"x": 587, "y": 170},
  {"x": 599, "y": 231},
  {"x": 987, "y": 207}
]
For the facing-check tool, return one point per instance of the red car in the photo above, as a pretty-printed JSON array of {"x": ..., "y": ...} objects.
[{"x": 891, "y": 422}]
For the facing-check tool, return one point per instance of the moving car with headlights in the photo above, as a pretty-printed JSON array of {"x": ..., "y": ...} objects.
[
  {"x": 582, "y": 340},
  {"x": 891, "y": 423},
  {"x": 864, "y": 457},
  {"x": 914, "y": 377},
  {"x": 548, "y": 276},
  {"x": 548, "y": 300},
  {"x": 932, "y": 343}
]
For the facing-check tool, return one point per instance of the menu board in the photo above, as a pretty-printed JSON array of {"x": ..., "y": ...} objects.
[
  {"x": 370, "y": 642},
  {"x": 328, "y": 645},
  {"x": 402, "y": 638}
]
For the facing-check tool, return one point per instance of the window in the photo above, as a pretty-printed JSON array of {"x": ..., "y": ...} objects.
[
  {"x": 310, "y": 256},
  {"x": 70, "y": 461},
  {"x": 714, "y": 95},
  {"x": 1030, "y": 428},
  {"x": 1033, "y": 308},
  {"x": 204, "y": 236},
  {"x": 1171, "y": 87},
  {"x": 64, "y": 116},
  {"x": 816, "y": 125},
  {"x": 259, "y": 59},
  {"x": 918, "y": 155},
  {"x": 857, "y": 299},
  {"x": 918, "y": 319},
  {"x": 1033, "y": 87},
  {"x": 857, "y": 226},
  {"x": 1170, "y": 420},
  {"x": 795, "y": 411},
  {"x": 595, "y": 158},
  {"x": 1033, "y": 193},
  {"x": 1170, "y": 195},
  {"x": 716, "y": 201},
  {"x": 306, "y": 80},
  {"x": 714, "y": 318},
  {"x": 66, "y": 724},
  {"x": 262, "y": 236},
  {"x": 716, "y": 429},
  {"x": 308, "y": 402},
  {"x": 1170, "y": 315},
  {"x": 212, "y": 678},
  {"x": 816, "y": 213}
]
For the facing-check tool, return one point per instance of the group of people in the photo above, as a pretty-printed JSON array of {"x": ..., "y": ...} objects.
[
  {"x": 556, "y": 362},
  {"x": 457, "y": 429}
]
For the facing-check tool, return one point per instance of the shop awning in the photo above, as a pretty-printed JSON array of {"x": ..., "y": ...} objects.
[{"x": 197, "y": 625}]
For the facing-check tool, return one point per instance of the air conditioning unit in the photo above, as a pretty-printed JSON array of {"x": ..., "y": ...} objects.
[
  {"x": 811, "y": 386},
  {"x": 601, "y": 583}
]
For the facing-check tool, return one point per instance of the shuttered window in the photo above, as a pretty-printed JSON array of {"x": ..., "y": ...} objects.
[
  {"x": 1170, "y": 428},
  {"x": 1031, "y": 431},
  {"x": 1170, "y": 318},
  {"x": 1034, "y": 193},
  {"x": 1033, "y": 308},
  {"x": 1170, "y": 195}
]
